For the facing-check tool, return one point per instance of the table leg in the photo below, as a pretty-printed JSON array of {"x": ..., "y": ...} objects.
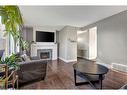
[
  {"x": 75, "y": 76},
  {"x": 100, "y": 80}
]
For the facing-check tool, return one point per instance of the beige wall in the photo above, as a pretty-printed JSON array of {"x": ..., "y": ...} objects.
[
  {"x": 62, "y": 43},
  {"x": 68, "y": 43}
]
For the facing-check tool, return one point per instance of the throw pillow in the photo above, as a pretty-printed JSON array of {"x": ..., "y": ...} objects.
[{"x": 25, "y": 57}]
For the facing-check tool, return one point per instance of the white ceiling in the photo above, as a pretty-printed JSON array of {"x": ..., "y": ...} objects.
[{"x": 67, "y": 15}]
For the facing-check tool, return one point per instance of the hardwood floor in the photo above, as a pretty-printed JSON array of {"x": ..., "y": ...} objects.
[{"x": 60, "y": 76}]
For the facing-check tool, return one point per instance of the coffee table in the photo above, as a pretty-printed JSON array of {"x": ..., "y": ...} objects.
[{"x": 91, "y": 72}]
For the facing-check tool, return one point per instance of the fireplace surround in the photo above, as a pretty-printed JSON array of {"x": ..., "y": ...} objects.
[{"x": 46, "y": 47}]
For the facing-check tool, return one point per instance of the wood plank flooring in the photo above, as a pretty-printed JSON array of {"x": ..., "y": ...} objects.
[{"x": 60, "y": 76}]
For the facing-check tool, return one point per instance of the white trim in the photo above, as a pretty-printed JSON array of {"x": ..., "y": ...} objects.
[
  {"x": 62, "y": 59},
  {"x": 67, "y": 61},
  {"x": 93, "y": 42},
  {"x": 119, "y": 67},
  {"x": 124, "y": 73}
]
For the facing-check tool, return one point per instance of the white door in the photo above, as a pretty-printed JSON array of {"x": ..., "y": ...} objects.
[{"x": 93, "y": 43}]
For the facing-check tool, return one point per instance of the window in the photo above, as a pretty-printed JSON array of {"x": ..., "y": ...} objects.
[
  {"x": 2, "y": 38},
  {"x": 6, "y": 42}
]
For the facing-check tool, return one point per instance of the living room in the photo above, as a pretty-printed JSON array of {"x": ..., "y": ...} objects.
[{"x": 57, "y": 45}]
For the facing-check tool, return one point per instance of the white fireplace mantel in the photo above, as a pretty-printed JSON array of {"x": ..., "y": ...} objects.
[{"x": 39, "y": 45}]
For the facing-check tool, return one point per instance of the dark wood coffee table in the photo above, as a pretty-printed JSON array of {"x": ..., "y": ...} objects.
[{"x": 91, "y": 72}]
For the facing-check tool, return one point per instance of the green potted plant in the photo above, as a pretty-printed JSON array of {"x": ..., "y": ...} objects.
[
  {"x": 24, "y": 45},
  {"x": 11, "y": 61}
]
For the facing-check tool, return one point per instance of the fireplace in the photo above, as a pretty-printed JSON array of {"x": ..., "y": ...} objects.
[
  {"x": 44, "y": 53},
  {"x": 37, "y": 47}
]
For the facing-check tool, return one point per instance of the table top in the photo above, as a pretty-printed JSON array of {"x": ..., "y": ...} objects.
[{"x": 90, "y": 68}]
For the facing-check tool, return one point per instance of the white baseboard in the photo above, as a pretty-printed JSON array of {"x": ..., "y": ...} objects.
[
  {"x": 67, "y": 61},
  {"x": 54, "y": 58}
]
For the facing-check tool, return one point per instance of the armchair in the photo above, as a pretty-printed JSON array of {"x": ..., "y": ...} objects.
[{"x": 32, "y": 70}]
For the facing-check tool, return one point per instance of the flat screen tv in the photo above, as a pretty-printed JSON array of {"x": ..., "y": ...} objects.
[{"x": 42, "y": 36}]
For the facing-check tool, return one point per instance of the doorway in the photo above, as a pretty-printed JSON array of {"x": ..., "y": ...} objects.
[{"x": 87, "y": 44}]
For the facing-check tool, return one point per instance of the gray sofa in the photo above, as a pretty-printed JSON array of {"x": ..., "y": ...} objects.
[{"x": 32, "y": 71}]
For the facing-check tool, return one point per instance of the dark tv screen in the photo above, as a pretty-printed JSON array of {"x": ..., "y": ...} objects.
[{"x": 44, "y": 36}]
